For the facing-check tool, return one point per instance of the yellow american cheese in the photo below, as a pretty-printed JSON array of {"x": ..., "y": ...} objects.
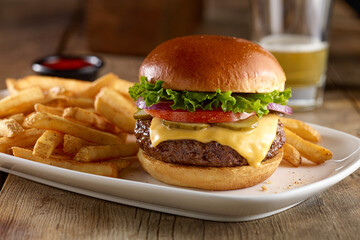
[{"x": 252, "y": 145}]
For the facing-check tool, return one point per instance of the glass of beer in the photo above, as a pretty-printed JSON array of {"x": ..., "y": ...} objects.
[{"x": 296, "y": 33}]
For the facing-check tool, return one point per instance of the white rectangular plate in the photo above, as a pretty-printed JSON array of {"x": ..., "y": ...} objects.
[{"x": 287, "y": 187}]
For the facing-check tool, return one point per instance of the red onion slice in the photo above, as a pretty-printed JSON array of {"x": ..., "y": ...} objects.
[{"x": 280, "y": 108}]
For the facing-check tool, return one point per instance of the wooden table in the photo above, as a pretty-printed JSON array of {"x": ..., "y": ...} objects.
[{"x": 30, "y": 210}]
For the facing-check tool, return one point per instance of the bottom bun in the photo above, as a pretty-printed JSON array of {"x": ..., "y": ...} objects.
[{"x": 209, "y": 178}]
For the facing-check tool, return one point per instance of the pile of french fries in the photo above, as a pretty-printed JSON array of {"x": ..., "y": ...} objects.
[
  {"x": 87, "y": 126},
  {"x": 69, "y": 123},
  {"x": 301, "y": 142}
]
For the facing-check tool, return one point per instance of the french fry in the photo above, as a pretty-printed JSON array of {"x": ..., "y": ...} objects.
[
  {"x": 301, "y": 129},
  {"x": 122, "y": 87},
  {"x": 99, "y": 168},
  {"x": 73, "y": 144},
  {"x": 20, "y": 102},
  {"x": 27, "y": 139},
  {"x": 116, "y": 108},
  {"x": 65, "y": 115},
  {"x": 109, "y": 80},
  {"x": 10, "y": 128},
  {"x": 46, "y": 144},
  {"x": 96, "y": 153},
  {"x": 89, "y": 118},
  {"x": 123, "y": 162},
  {"x": 19, "y": 117},
  {"x": 309, "y": 150},
  {"x": 291, "y": 155},
  {"x": 11, "y": 85},
  {"x": 56, "y": 123},
  {"x": 60, "y": 91},
  {"x": 63, "y": 101},
  {"x": 59, "y": 154},
  {"x": 47, "y": 109},
  {"x": 95, "y": 87},
  {"x": 46, "y": 83}
]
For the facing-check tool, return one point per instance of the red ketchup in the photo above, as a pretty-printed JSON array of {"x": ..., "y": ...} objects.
[{"x": 64, "y": 64}]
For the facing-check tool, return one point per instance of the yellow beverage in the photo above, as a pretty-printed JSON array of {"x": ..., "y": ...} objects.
[{"x": 303, "y": 59}]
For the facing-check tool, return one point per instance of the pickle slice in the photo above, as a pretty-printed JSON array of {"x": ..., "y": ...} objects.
[
  {"x": 242, "y": 125},
  {"x": 141, "y": 114},
  {"x": 186, "y": 126}
]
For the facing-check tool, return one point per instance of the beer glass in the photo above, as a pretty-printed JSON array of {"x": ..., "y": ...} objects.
[{"x": 296, "y": 33}]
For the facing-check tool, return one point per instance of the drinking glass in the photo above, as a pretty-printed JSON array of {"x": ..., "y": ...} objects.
[{"x": 296, "y": 33}]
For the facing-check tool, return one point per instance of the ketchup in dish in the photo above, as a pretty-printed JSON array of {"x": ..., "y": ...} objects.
[{"x": 78, "y": 67}]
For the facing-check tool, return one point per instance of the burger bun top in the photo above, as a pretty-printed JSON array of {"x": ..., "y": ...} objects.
[{"x": 206, "y": 63}]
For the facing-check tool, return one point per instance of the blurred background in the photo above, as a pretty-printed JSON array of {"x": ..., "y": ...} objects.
[{"x": 123, "y": 32}]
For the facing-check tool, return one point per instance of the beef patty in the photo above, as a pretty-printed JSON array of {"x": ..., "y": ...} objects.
[{"x": 192, "y": 152}]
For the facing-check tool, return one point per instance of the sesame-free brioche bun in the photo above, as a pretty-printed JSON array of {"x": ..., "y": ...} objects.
[
  {"x": 209, "y": 178},
  {"x": 206, "y": 63}
]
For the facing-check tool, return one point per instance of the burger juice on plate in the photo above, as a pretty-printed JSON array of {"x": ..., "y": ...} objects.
[{"x": 208, "y": 113}]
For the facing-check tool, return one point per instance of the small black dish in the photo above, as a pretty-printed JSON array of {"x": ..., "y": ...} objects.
[{"x": 77, "y": 67}]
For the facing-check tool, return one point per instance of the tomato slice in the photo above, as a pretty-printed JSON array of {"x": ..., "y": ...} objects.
[{"x": 199, "y": 116}]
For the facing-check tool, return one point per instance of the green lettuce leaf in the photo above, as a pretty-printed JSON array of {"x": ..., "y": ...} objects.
[{"x": 190, "y": 101}]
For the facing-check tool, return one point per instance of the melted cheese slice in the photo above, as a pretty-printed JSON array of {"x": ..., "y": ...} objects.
[{"x": 252, "y": 145}]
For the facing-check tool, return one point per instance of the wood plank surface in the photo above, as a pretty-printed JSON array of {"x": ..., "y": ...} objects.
[
  {"x": 345, "y": 45},
  {"x": 44, "y": 212},
  {"x": 29, "y": 210},
  {"x": 29, "y": 30}
]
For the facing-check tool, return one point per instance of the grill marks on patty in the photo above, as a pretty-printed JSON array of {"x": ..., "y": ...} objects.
[{"x": 192, "y": 152}]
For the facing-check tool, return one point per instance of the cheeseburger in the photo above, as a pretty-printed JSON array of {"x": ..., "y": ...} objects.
[{"x": 208, "y": 112}]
